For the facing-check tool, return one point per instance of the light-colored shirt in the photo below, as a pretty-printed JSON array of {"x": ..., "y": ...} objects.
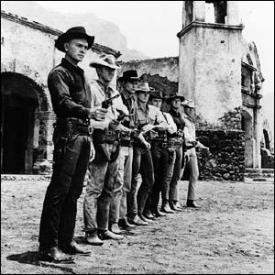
[
  {"x": 190, "y": 131},
  {"x": 99, "y": 93},
  {"x": 149, "y": 115},
  {"x": 171, "y": 125}
]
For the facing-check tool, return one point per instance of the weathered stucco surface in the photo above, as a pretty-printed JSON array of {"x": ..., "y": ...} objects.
[
  {"x": 35, "y": 60},
  {"x": 212, "y": 73}
]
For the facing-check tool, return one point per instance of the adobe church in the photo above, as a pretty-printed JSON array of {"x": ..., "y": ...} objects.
[{"x": 222, "y": 74}]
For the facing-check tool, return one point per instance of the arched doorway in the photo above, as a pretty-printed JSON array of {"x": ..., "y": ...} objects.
[
  {"x": 19, "y": 99},
  {"x": 266, "y": 139}
]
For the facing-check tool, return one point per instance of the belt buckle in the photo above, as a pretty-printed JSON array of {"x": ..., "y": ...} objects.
[
  {"x": 164, "y": 144},
  {"x": 90, "y": 130}
]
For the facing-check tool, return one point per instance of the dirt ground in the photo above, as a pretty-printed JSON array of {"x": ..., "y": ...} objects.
[{"x": 232, "y": 233}]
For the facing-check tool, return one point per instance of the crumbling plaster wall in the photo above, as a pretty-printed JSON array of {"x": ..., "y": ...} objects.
[{"x": 164, "y": 67}]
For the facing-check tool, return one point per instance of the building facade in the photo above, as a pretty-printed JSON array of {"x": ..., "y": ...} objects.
[
  {"x": 27, "y": 56},
  {"x": 222, "y": 74},
  {"x": 215, "y": 67}
]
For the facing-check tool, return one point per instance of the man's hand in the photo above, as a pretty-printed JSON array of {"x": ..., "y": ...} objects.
[
  {"x": 123, "y": 128},
  {"x": 92, "y": 152},
  {"x": 113, "y": 125},
  {"x": 205, "y": 148},
  {"x": 147, "y": 127},
  {"x": 98, "y": 114},
  {"x": 160, "y": 128},
  {"x": 145, "y": 143}
]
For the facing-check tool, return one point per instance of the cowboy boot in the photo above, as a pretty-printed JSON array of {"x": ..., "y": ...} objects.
[
  {"x": 174, "y": 206},
  {"x": 92, "y": 238},
  {"x": 166, "y": 208},
  {"x": 192, "y": 204}
]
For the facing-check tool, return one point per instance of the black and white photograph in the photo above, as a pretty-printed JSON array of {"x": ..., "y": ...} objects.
[{"x": 137, "y": 137}]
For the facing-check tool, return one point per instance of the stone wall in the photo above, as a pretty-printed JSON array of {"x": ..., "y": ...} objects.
[{"x": 226, "y": 158}]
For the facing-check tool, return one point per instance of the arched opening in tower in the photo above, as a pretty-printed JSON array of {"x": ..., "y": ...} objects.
[{"x": 216, "y": 11}]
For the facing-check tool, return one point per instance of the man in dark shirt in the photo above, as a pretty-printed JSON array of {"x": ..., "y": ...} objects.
[
  {"x": 71, "y": 102},
  {"x": 176, "y": 112}
]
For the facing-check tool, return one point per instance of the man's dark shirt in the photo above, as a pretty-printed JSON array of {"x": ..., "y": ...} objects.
[
  {"x": 178, "y": 119},
  {"x": 69, "y": 91},
  {"x": 129, "y": 101}
]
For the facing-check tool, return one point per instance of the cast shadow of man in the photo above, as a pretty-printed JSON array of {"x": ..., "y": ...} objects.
[{"x": 32, "y": 257}]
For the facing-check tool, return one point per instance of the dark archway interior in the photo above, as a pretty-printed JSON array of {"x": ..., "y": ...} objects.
[
  {"x": 266, "y": 139},
  {"x": 19, "y": 100}
]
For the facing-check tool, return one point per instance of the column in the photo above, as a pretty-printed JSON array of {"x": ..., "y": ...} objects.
[
  {"x": 199, "y": 10},
  {"x": 233, "y": 17}
]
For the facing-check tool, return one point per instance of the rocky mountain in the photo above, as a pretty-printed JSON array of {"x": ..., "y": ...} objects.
[{"x": 106, "y": 33}]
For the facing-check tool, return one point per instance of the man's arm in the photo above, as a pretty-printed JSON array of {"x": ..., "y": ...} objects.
[{"x": 171, "y": 125}]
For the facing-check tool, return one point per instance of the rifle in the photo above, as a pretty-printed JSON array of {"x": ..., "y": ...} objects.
[{"x": 106, "y": 103}]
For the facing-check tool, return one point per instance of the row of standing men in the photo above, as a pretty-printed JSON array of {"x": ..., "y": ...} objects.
[{"x": 135, "y": 153}]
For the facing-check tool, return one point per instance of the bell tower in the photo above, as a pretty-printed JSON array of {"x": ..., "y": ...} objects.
[{"x": 210, "y": 50}]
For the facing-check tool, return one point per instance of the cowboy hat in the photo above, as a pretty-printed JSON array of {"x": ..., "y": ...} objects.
[
  {"x": 129, "y": 76},
  {"x": 72, "y": 33},
  {"x": 144, "y": 87},
  {"x": 169, "y": 99},
  {"x": 188, "y": 103},
  {"x": 157, "y": 94},
  {"x": 106, "y": 60}
]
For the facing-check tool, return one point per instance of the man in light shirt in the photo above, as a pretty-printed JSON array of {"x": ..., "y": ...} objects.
[
  {"x": 191, "y": 161},
  {"x": 104, "y": 167},
  {"x": 118, "y": 215},
  {"x": 145, "y": 118},
  {"x": 164, "y": 156}
]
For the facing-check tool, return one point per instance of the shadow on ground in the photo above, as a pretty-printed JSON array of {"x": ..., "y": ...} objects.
[{"x": 32, "y": 258}]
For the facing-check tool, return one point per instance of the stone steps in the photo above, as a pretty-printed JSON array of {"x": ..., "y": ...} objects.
[
  {"x": 259, "y": 175},
  {"x": 23, "y": 177}
]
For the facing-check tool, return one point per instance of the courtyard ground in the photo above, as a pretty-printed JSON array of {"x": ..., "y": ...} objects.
[{"x": 233, "y": 232}]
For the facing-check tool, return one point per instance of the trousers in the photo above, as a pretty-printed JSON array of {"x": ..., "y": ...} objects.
[
  {"x": 140, "y": 190},
  {"x": 163, "y": 160},
  {"x": 118, "y": 208},
  {"x": 99, "y": 192},
  {"x": 70, "y": 161},
  {"x": 173, "y": 194},
  {"x": 191, "y": 163}
]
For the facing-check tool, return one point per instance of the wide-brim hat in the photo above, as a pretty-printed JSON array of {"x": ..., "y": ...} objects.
[
  {"x": 169, "y": 99},
  {"x": 157, "y": 94},
  {"x": 106, "y": 60},
  {"x": 188, "y": 103},
  {"x": 130, "y": 75},
  {"x": 73, "y": 33},
  {"x": 143, "y": 87}
]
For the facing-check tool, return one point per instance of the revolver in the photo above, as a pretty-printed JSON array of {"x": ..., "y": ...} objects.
[{"x": 106, "y": 103}]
